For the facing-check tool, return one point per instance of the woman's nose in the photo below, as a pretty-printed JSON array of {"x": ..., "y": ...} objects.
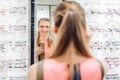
[{"x": 44, "y": 29}]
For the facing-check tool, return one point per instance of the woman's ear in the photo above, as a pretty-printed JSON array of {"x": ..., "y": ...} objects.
[
  {"x": 55, "y": 29},
  {"x": 88, "y": 34}
]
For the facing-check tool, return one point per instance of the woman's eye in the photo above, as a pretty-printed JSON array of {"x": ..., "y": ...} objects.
[
  {"x": 44, "y": 26},
  {"x": 41, "y": 26},
  {"x": 47, "y": 26}
]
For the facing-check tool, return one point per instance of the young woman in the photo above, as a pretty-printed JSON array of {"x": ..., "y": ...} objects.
[
  {"x": 43, "y": 39},
  {"x": 70, "y": 58}
]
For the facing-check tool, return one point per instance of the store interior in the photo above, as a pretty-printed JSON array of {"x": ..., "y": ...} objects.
[{"x": 18, "y": 33}]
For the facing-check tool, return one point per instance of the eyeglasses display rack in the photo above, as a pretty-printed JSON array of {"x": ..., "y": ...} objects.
[
  {"x": 14, "y": 39},
  {"x": 103, "y": 20}
]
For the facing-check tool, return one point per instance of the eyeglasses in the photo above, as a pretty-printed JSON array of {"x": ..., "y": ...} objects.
[
  {"x": 13, "y": 64},
  {"x": 17, "y": 78},
  {"x": 3, "y": 66},
  {"x": 18, "y": 64},
  {"x": 112, "y": 77},
  {"x": 108, "y": 27},
  {"x": 12, "y": 77},
  {"x": 13, "y": 10},
  {"x": 112, "y": 12},
  {"x": 113, "y": 62},
  {"x": 17, "y": 28},
  {"x": 14, "y": 47},
  {"x": 21, "y": 10},
  {"x": 7, "y": 30},
  {"x": 2, "y": 48},
  {"x": 104, "y": 46}
]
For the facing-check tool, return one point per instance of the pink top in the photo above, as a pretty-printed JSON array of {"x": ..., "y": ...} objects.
[
  {"x": 47, "y": 50},
  {"x": 89, "y": 69}
]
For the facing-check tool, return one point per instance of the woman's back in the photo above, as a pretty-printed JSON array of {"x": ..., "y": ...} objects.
[{"x": 89, "y": 70}]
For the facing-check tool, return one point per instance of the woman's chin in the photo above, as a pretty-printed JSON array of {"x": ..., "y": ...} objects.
[{"x": 44, "y": 35}]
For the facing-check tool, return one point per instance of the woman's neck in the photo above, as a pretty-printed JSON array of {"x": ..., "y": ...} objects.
[
  {"x": 70, "y": 56},
  {"x": 43, "y": 39}
]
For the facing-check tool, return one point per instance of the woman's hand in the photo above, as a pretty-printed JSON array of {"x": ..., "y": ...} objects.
[{"x": 39, "y": 50}]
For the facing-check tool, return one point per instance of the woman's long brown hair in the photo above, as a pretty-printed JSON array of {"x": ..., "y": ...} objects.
[{"x": 70, "y": 19}]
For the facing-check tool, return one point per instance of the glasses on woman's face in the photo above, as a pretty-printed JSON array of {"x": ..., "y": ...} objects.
[{"x": 43, "y": 26}]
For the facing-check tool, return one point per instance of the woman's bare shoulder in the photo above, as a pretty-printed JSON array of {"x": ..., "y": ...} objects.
[
  {"x": 32, "y": 71},
  {"x": 33, "y": 67}
]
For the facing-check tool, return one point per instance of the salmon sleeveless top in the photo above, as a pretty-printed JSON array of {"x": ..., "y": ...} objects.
[
  {"x": 89, "y": 70},
  {"x": 47, "y": 50}
]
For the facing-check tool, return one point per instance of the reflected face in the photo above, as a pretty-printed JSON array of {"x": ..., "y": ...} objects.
[{"x": 43, "y": 28}]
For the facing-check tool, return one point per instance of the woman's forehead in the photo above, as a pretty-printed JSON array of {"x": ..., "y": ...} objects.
[{"x": 42, "y": 22}]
